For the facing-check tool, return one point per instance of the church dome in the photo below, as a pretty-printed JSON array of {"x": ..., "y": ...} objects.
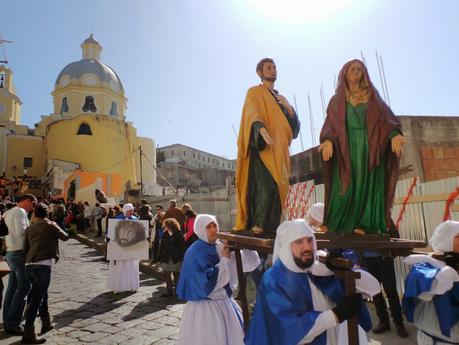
[{"x": 90, "y": 70}]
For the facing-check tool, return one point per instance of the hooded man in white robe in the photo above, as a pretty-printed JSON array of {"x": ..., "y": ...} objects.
[{"x": 431, "y": 298}]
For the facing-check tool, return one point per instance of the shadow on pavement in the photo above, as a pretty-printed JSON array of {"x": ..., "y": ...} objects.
[
  {"x": 5, "y": 338},
  {"x": 154, "y": 303},
  {"x": 148, "y": 280},
  {"x": 100, "y": 304}
]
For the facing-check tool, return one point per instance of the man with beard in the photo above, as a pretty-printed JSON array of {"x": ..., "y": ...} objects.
[
  {"x": 431, "y": 299},
  {"x": 268, "y": 125},
  {"x": 300, "y": 301}
]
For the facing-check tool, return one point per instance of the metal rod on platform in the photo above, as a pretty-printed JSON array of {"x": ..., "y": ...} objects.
[
  {"x": 322, "y": 100},
  {"x": 381, "y": 77},
  {"x": 297, "y": 114},
  {"x": 384, "y": 79},
  {"x": 363, "y": 59},
  {"x": 311, "y": 119}
]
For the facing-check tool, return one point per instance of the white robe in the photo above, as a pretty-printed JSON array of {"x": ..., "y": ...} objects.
[
  {"x": 425, "y": 314},
  {"x": 366, "y": 284},
  {"x": 218, "y": 319},
  {"x": 123, "y": 276}
]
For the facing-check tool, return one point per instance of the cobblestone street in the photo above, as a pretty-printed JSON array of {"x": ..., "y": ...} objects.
[{"x": 86, "y": 313}]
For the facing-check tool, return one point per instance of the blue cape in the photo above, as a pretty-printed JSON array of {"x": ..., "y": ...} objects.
[
  {"x": 284, "y": 311},
  {"x": 420, "y": 280},
  {"x": 198, "y": 275}
]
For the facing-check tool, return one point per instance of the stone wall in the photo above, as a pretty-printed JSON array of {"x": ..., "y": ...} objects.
[
  {"x": 432, "y": 149},
  {"x": 220, "y": 203},
  {"x": 182, "y": 175},
  {"x": 431, "y": 152}
]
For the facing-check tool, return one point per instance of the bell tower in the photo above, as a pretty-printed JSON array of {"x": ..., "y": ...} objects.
[{"x": 10, "y": 104}]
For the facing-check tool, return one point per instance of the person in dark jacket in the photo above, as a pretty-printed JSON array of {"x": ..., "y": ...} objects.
[
  {"x": 145, "y": 214},
  {"x": 172, "y": 250},
  {"x": 174, "y": 212},
  {"x": 190, "y": 236},
  {"x": 41, "y": 246},
  {"x": 158, "y": 226}
]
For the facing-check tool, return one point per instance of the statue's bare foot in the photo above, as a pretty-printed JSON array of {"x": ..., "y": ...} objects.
[
  {"x": 323, "y": 229},
  {"x": 257, "y": 230},
  {"x": 359, "y": 232}
]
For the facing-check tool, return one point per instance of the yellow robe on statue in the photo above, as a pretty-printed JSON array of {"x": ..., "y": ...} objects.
[{"x": 260, "y": 105}]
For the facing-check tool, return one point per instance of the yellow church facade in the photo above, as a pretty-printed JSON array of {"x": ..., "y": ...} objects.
[{"x": 86, "y": 133}]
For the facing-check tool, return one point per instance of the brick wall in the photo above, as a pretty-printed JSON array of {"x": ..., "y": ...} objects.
[{"x": 439, "y": 162}]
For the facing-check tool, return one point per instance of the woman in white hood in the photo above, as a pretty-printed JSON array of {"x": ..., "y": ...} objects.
[{"x": 207, "y": 280}]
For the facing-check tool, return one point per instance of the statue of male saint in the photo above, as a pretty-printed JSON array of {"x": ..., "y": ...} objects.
[{"x": 268, "y": 125}]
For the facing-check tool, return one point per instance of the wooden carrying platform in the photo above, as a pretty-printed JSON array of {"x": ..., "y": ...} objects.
[{"x": 387, "y": 246}]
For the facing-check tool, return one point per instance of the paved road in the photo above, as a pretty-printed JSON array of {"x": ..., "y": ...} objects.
[{"x": 86, "y": 313}]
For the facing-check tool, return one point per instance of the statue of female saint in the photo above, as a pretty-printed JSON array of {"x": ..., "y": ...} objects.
[{"x": 361, "y": 143}]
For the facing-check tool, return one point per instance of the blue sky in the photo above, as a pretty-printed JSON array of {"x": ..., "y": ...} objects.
[{"x": 186, "y": 65}]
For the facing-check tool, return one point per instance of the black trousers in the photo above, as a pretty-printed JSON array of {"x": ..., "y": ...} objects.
[
  {"x": 382, "y": 268},
  {"x": 99, "y": 227}
]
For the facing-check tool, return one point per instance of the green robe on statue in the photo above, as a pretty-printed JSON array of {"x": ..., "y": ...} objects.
[
  {"x": 362, "y": 205},
  {"x": 361, "y": 176}
]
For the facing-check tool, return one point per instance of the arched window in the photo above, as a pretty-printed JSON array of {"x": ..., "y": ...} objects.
[
  {"x": 89, "y": 105},
  {"x": 2, "y": 80},
  {"x": 84, "y": 129},
  {"x": 114, "y": 109},
  {"x": 64, "y": 106}
]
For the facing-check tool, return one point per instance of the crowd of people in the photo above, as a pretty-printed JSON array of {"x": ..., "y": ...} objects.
[
  {"x": 299, "y": 300},
  {"x": 30, "y": 245}
]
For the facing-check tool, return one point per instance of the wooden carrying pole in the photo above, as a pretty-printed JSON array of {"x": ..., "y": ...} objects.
[{"x": 344, "y": 272}]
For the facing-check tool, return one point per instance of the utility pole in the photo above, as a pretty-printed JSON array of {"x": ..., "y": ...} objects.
[{"x": 141, "y": 177}]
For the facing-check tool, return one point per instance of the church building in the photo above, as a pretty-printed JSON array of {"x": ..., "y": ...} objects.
[{"x": 85, "y": 144}]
